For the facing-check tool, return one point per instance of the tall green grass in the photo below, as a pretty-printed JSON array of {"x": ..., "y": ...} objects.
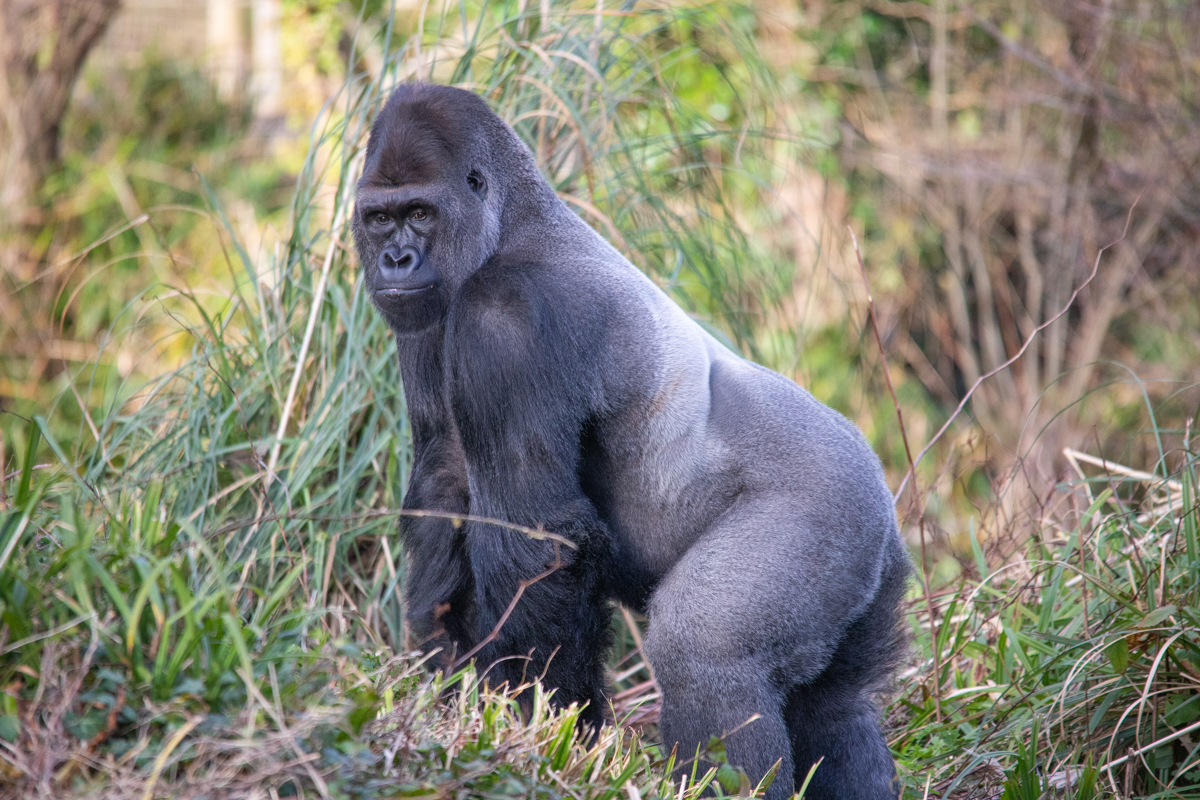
[{"x": 1074, "y": 661}]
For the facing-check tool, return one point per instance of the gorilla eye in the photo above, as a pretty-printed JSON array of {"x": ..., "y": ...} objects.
[
  {"x": 380, "y": 220},
  {"x": 418, "y": 214}
]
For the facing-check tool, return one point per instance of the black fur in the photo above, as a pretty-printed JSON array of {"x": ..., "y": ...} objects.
[{"x": 550, "y": 384}]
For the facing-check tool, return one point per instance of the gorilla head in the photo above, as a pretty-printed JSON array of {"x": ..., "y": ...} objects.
[
  {"x": 551, "y": 385},
  {"x": 429, "y": 203}
]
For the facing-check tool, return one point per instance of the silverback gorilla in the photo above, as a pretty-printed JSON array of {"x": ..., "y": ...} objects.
[{"x": 550, "y": 384}]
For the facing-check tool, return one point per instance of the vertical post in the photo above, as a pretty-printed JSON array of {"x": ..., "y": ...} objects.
[
  {"x": 223, "y": 37},
  {"x": 266, "y": 80},
  {"x": 937, "y": 72}
]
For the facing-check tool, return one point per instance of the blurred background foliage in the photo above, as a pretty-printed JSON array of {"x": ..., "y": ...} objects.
[
  {"x": 984, "y": 152},
  {"x": 197, "y": 461}
]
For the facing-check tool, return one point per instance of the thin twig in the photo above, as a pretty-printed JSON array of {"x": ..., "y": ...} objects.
[
  {"x": 916, "y": 500},
  {"x": 1028, "y": 341},
  {"x": 533, "y": 533},
  {"x": 512, "y": 604},
  {"x": 1112, "y": 467}
]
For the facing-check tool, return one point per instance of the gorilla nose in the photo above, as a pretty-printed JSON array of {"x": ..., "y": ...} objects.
[{"x": 396, "y": 263}]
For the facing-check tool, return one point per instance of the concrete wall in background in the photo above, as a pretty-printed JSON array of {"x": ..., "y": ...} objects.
[{"x": 237, "y": 41}]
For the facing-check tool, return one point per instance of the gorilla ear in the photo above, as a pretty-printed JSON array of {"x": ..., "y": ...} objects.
[{"x": 477, "y": 183}]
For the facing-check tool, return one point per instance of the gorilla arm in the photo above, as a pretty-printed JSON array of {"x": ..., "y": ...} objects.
[
  {"x": 438, "y": 591},
  {"x": 522, "y": 383}
]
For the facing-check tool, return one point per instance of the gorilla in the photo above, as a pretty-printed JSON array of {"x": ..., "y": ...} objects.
[{"x": 550, "y": 384}]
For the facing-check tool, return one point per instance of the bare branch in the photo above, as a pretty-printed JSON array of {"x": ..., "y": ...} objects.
[{"x": 1028, "y": 341}]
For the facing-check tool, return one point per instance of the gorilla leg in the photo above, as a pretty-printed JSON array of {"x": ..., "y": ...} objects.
[
  {"x": 844, "y": 735},
  {"x": 740, "y": 620},
  {"x": 716, "y": 639},
  {"x": 708, "y": 697},
  {"x": 834, "y": 717}
]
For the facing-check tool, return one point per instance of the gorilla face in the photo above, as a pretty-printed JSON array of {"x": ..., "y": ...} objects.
[
  {"x": 423, "y": 221},
  {"x": 403, "y": 237}
]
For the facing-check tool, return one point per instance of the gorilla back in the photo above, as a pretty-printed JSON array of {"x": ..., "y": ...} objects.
[{"x": 550, "y": 383}]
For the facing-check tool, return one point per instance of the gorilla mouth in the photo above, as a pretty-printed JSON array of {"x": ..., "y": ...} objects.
[{"x": 396, "y": 291}]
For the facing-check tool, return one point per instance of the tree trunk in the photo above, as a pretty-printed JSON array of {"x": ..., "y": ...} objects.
[{"x": 43, "y": 44}]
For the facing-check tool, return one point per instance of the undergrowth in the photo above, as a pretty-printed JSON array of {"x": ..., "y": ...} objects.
[
  {"x": 1076, "y": 658},
  {"x": 200, "y": 597}
]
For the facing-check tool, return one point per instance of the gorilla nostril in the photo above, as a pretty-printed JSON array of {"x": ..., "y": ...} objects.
[{"x": 399, "y": 259}]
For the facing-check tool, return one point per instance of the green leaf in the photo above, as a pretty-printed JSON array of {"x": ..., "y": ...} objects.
[
  {"x": 977, "y": 549},
  {"x": 139, "y": 602},
  {"x": 1118, "y": 655},
  {"x": 560, "y": 752},
  {"x": 10, "y": 727},
  {"x": 33, "y": 436},
  {"x": 729, "y": 778},
  {"x": 809, "y": 776},
  {"x": 1157, "y": 616},
  {"x": 1185, "y": 711},
  {"x": 85, "y": 726},
  {"x": 366, "y": 708},
  {"x": 1085, "y": 789}
]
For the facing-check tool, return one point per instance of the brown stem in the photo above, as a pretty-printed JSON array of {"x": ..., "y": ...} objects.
[
  {"x": 512, "y": 604},
  {"x": 966, "y": 397},
  {"x": 916, "y": 500}
]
